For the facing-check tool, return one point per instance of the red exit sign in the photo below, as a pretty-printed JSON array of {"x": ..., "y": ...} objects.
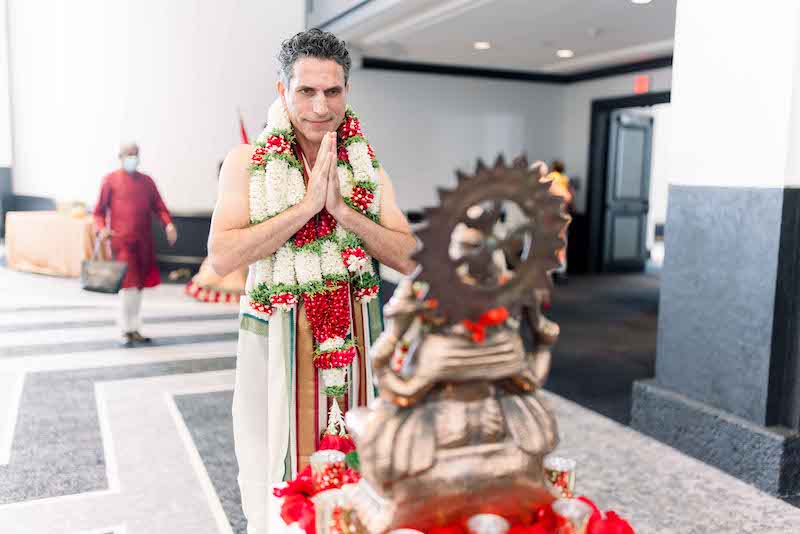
[{"x": 641, "y": 84}]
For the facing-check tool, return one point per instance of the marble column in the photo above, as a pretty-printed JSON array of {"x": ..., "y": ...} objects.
[{"x": 727, "y": 384}]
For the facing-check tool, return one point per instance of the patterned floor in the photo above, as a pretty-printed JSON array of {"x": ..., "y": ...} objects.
[
  {"x": 95, "y": 438},
  {"x": 98, "y": 439}
]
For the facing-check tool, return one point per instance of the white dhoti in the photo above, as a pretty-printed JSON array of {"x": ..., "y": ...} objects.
[
  {"x": 279, "y": 409},
  {"x": 261, "y": 424}
]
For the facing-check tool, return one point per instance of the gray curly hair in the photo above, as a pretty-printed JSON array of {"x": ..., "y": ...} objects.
[{"x": 313, "y": 43}]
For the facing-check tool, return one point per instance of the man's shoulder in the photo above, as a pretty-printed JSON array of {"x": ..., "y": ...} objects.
[
  {"x": 241, "y": 152},
  {"x": 237, "y": 163}
]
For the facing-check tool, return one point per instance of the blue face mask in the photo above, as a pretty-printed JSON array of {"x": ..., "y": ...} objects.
[{"x": 130, "y": 163}]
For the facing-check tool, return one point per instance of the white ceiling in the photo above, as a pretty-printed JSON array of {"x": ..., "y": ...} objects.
[{"x": 524, "y": 34}]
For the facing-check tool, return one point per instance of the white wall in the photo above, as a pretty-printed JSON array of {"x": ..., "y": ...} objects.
[
  {"x": 6, "y": 154},
  {"x": 661, "y": 168},
  {"x": 576, "y": 106},
  {"x": 423, "y": 127},
  {"x": 168, "y": 74},
  {"x": 793, "y": 156},
  {"x": 743, "y": 120},
  {"x": 86, "y": 77}
]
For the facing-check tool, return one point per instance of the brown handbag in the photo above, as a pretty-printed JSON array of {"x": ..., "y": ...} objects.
[{"x": 102, "y": 276}]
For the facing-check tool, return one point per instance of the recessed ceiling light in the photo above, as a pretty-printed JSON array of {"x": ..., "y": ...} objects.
[
  {"x": 641, "y": 1},
  {"x": 482, "y": 45},
  {"x": 565, "y": 53}
]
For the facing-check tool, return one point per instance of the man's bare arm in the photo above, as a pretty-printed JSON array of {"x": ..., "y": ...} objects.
[
  {"x": 232, "y": 242},
  {"x": 390, "y": 242}
]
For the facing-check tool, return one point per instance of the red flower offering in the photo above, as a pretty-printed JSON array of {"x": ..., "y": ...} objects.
[
  {"x": 299, "y": 486},
  {"x": 327, "y": 470},
  {"x": 560, "y": 474}
]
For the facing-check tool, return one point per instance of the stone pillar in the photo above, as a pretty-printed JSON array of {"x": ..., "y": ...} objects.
[{"x": 727, "y": 384}]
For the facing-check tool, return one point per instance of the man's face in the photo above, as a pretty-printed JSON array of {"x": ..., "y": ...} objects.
[
  {"x": 128, "y": 150},
  {"x": 316, "y": 97}
]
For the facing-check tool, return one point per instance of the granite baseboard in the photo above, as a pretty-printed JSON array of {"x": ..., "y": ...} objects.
[{"x": 766, "y": 457}]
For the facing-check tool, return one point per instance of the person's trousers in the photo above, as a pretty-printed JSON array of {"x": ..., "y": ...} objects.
[
  {"x": 130, "y": 311},
  {"x": 250, "y": 430}
]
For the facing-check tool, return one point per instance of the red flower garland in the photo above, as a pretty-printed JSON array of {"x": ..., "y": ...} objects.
[
  {"x": 283, "y": 299},
  {"x": 358, "y": 252},
  {"x": 363, "y": 293},
  {"x": 336, "y": 358},
  {"x": 277, "y": 145},
  {"x": 355, "y": 259},
  {"x": 338, "y": 321},
  {"x": 306, "y": 234},
  {"x": 327, "y": 223},
  {"x": 257, "y": 306},
  {"x": 315, "y": 305},
  {"x": 350, "y": 128},
  {"x": 362, "y": 198},
  {"x": 315, "y": 228},
  {"x": 328, "y": 312}
]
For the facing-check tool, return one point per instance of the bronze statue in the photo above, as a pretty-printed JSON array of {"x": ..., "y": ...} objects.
[{"x": 458, "y": 429}]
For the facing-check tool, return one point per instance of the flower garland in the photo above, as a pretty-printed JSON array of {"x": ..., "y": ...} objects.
[{"x": 322, "y": 262}]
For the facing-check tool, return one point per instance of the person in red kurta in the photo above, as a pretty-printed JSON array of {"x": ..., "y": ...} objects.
[{"x": 123, "y": 212}]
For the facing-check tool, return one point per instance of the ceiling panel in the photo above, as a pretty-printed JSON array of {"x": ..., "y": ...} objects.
[{"x": 524, "y": 34}]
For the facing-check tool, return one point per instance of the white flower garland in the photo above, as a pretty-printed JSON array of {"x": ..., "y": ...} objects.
[
  {"x": 306, "y": 263},
  {"x": 276, "y": 184}
]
